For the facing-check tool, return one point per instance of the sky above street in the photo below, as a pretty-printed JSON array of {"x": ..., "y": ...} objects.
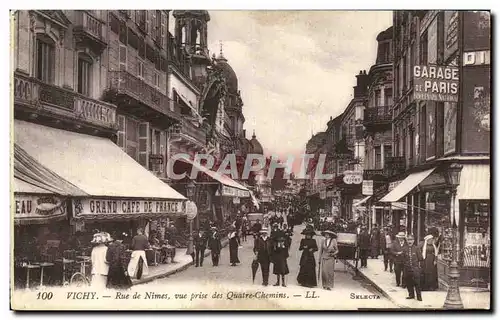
[{"x": 295, "y": 68}]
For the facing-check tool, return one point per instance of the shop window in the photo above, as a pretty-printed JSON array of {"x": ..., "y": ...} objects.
[
  {"x": 476, "y": 235},
  {"x": 45, "y": 60},
  {"x": 84, "y": 74}
]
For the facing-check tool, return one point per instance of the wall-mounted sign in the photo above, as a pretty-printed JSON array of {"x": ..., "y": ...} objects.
[
  {"x": 233, "y": 192},
  {"x": 36, "y": 207},
  {"x": 353, "y": 177},
  {"x": 367, "y": 187},
  {"x": 476, "y": 58},
  {"x": 191, "y": 210},
  {"x": 95, "y": 112},
  {"x": 82, "y": 207},
  {"x": 435, "y": 83}
]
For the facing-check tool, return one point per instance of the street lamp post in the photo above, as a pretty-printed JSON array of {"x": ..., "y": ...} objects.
[
  {"x": 190, "y": 193},
  {"x": 453, "y": 299}
]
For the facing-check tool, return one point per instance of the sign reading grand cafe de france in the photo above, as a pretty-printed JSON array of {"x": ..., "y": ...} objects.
[{"x": 82, "y": 207}]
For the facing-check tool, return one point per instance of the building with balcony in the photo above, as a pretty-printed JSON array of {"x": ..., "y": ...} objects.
[
  {"x": 436, "y": 131},
  {"x": 66, "y": 129}
]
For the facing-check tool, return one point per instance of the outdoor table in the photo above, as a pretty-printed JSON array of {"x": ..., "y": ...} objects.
[
  {"x": 64, "y": 262},
  {"x": 28, "y": 267},
  {"x": 43, "y": 265},
  {"x": 155, "y": 252}
]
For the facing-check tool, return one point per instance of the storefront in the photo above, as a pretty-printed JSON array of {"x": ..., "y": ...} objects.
[
  {"x": 100, "y": 185},
  {"x": 218, "y": 197},
  {"x": 429, "y": 204}
]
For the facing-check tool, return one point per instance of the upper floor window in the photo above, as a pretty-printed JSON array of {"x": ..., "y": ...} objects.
[
  {"x": 45, "y": 60},
  {"x": 84, "y": 74},
  {"x": 123, "y": 58},
  {"x": 140, "y": 69},
  {"x": 156, "y": 79}
]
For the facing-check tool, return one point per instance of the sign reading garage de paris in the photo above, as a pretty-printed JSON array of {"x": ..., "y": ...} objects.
[{"x": 436, "y": 83}]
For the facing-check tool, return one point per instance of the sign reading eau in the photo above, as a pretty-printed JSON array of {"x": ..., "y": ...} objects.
[{"x": 436, "y": 83}]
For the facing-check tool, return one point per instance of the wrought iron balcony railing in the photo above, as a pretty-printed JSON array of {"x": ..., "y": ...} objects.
[
  {"x": 34, "y": 93},
  {"x": 187, "y": 129},
  {"x": 128, "y": 84},
  {"x": 377, "y": 115}
]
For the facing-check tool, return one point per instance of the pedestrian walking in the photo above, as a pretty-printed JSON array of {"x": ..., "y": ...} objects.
[
  {"x": 374, "y": 242},
  {"x": 412, "y": 257},
  {"x": 279, "y": 258},
  {"x": 386, "y": 243},
  {"x": 307, "y": 271},
  {"x": 257, "y": 226},
  {"x": 262, "y": 249},
  {"x": 100, "y": 268},
  {"x": 364, "y": 246},
  {"x": 215, "y": 245},
  {"x": 429, "y": 269},
  {"x": 233, "y": 246},
  {"x": 138, "y": 265},
  {"x": 288, "y": 236},
  {"x": 244, "y": 229},
  {"x": 397, "y": 249},
  {"x": 327, "y": 256},
  {"x": 116, "y": 257},
  {"x": 200, "y": 245}
]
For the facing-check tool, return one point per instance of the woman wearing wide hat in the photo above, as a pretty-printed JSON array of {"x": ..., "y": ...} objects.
[
  {"x": 307, "y": 272},
  {"x": 327, "y": 255},
  {"x": 279, "y": 256},
  {"x": 100, "y": 268},
  {"x": 116, "y": 257}
]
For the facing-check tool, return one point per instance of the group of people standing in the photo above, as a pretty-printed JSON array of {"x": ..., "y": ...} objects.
[
  {"x": 414, "y": 266},
  {"x": 111, "y": 265}
]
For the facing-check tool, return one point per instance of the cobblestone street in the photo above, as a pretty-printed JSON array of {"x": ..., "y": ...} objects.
[{"x": 347, "y": 293}]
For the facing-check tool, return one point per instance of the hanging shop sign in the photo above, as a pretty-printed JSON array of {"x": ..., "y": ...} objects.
[
  {"x": 477, "y": 58},
  {"x": 233, "y": 192},
  {"x": 367, "y": 187},
  {"x": 191, "y": 210},
  {"x": 82, "y": 207},
  {"x": 436, "y": 83},
  {"x": 393, "y": 185},
  {"x": 36, "y": 207},
  {"x": 353, "y": 177}
]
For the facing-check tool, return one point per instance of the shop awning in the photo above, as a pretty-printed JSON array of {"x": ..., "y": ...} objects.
[
  {"x": 475, "y": 182},
  {"x": 361, "y": 201},
  {"x": 20, "y": 186},
  {"x": 31, "y": 172},
  {"x": 229, "y": 186},
  {"x": 406, "y": 186},
  {"x": 100, "y": 169}
]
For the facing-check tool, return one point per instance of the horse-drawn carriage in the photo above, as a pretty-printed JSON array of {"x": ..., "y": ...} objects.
[{"x": 347, "y": 244}]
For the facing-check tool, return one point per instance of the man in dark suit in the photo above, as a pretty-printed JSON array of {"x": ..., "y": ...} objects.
[
  {"x": 257, "y": 226},
  {"x": 412, "y": 257},
  {"x": 215, "y": 245},
  {"x": 364, "y": 246},
  {"x": 262, "y": 249},
  {"x": 397, "y": 249},
  {"x": 200, "y": 245}
]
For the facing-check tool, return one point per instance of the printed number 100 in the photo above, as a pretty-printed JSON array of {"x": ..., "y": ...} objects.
[{"x": 44, "y": 295}]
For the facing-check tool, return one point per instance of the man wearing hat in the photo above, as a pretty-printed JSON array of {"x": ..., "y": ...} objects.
[
  {"x": 386, "y": 243},
  {"x": 364, "y": 246},
  {"x": 262, "y": 250},
  {"x": 397, "y": 249},
  {"x": 412, "y": 258},
  {"x": 215, "y": 245}
]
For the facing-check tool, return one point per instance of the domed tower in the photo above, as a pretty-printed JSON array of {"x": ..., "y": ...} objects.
[
  {"x": 256, "y": 146},
  {"x": 233, "y": 102},
  {"x": 191, "y": 34}
]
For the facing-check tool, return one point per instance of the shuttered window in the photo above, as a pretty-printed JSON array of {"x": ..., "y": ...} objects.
[
  {"x": 132, "y": 138},
  {"x": 144, "y": 147},
  {"x": 123, "y": 58},
  {"x": 163, "y": 31},
  {"x": 121, "y": 132}
]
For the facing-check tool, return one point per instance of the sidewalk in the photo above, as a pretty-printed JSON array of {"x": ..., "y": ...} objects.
[
  {"x": 385, "y": 282},
  {"x": 183, "y": 261}
]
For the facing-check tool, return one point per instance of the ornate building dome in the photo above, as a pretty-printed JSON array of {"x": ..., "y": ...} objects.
[
  {"x": 256, "y": 146},
  {"x": 228, "y": 72}
]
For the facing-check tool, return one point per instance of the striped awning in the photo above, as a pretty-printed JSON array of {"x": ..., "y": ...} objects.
[{"x": 475, "y": 182}]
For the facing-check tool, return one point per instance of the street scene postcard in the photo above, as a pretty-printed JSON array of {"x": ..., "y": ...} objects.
[{"x": 250, "y": 160}]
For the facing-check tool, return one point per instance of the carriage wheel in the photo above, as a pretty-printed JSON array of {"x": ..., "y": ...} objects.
[{"x": 79, "y": 280}]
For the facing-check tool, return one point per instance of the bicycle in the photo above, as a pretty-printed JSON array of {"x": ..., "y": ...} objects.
[{"x": 80, "y": 278}]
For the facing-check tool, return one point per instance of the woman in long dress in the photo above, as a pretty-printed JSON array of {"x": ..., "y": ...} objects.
[
  {"x": 98, "y": 259},
  {"x": 278, "y": 257},
  {"x": 307, "y": 271},
  {"x": 118, "y": 277},
  {"x": 233, "y": 247},
  {"x": 429, "y": 275},
  {"x": 327, "y": 256}
]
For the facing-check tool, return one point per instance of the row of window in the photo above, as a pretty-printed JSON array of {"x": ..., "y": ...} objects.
[
  {"x": 141, "y": 70},
  {"x": 45, "y": 67}
]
